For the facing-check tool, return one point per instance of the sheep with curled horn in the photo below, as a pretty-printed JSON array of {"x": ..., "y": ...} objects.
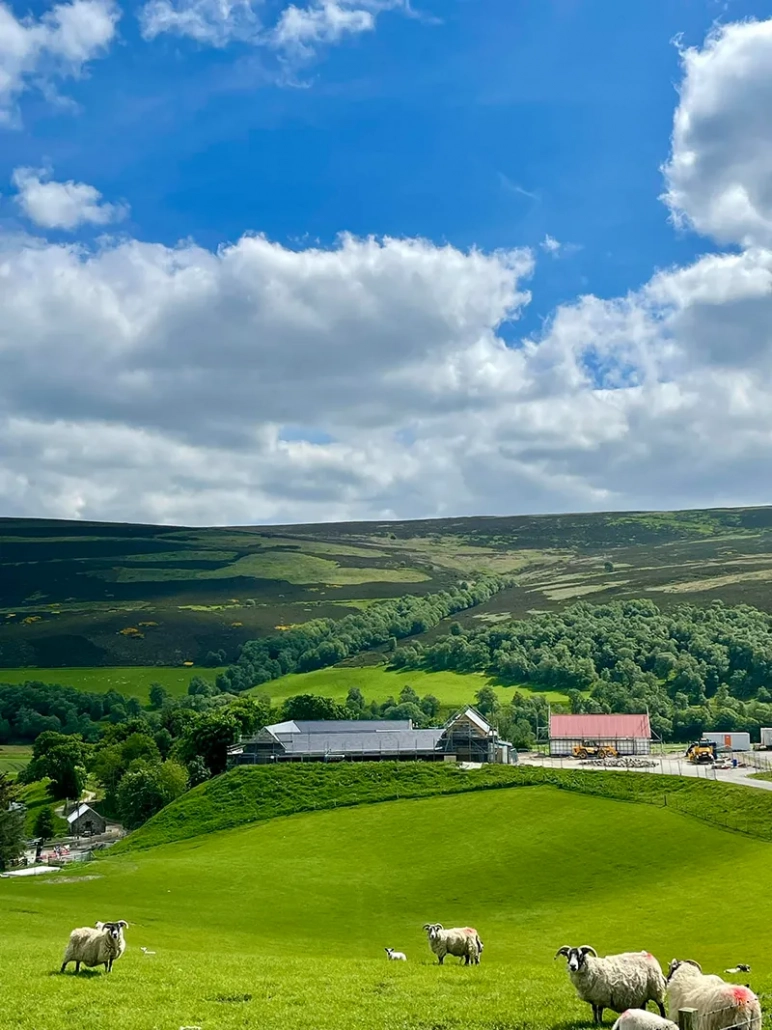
[
  {"x": 618, "y": 982},
  {"x": 95, "y": 945},
  {"x": 461, "y": 941}
]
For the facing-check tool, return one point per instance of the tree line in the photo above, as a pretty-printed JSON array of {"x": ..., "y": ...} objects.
[
  {"x": 694, "y": 668},
  {"x": 324, "y": 642}
]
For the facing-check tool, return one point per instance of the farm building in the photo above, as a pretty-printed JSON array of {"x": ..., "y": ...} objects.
[
  {"x": 629, "y": 734},
  {"x": 84, "y": 821},
  {"x": 467, "y": 737}
]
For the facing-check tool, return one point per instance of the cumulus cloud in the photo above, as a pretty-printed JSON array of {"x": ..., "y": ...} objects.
[
  {"x": 371, "y": 379},
  {"x": 718, "y": 176},
  {"x": 62, "y": 205},
  {"x": 57, "y": 45}
]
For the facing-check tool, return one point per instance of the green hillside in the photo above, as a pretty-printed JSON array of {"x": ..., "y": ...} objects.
[
  {"x": 282, "y": 925},
  {"x": 259, "y": 793},
  {"x": 77, "y": 594},
  {"x": 377, "y": 683},
  {"x": 126, "y": 680}
]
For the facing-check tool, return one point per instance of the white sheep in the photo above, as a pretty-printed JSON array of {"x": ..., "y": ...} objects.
[
  {"x": 641, "y": 1019},
  {"x": 395, "y": 956},
  {"x": 617, "y": 982},
  {"x": 96, "y": 946},
  {"x": 462, "y": 941},
  {"x": 719, "y": 1005}
]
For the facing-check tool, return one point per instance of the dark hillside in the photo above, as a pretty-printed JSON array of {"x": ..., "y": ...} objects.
[{"x": 91, "y": 594}]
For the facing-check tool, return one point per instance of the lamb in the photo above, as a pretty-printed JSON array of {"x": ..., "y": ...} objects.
[
  {"x": 641, "y": 1019},
  {"x": 463, "y": 942},
  {"x": 96, "y": 946},
  {"x": 395, "y": 956},
  {"x": 719, "y": 1004},
  {"x": 618, "y": 982}
]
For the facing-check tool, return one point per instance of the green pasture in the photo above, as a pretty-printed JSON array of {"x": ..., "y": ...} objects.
[
  {"x": 377, "y": 683},
  {"x": 14, "y": 757},
  {"x": 281, "y": 925},
  {"x": 131, "y": 681}
]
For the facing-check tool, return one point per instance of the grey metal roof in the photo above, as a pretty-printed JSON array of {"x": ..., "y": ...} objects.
[
  {"x": 340, "y": 726},
  {"x": 383, "y": 742}
]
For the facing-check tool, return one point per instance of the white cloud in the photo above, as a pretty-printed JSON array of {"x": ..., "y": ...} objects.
[
  {"x": 57, "y": 45},
  {"x": 62, "y": 205},
  {"x": 143, "y": 382},
  {"x": 718, "y": 175},
  {"x": 213, "y": 22},
  {"x": 551, "y": 245},
  {"x": 298, "y": 33}
]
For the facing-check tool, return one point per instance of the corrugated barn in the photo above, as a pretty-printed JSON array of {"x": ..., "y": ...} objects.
[
  {"x": 467, "y": 737},
  {"x": 629, "y": 734}
]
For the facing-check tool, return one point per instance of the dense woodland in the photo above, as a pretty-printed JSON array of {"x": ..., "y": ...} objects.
[
  {"x": 694, "y": 668},
  {"x": 325, "y": 642}
]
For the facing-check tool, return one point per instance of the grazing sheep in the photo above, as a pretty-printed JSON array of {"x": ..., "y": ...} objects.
[
  {"x": 395, "y": 956},
  {"x": 463, "y": 942},
  {"x": 719, "y": 1005},
  {"x": 617, "y": 982},
  {"x": 96, "y": 946},
  {"x": 641, "y": 1019}
]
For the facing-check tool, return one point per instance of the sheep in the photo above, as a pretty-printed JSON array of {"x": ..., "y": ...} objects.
[
  {"x": 719, "y": 1004},
  {"x": 617, "y": 982},
  {"x": 95, "y": 946},
  {"x": 463, "y": 942},
  {"x": 641, "y": 1019},
  {"x": 395, "y": 956}
]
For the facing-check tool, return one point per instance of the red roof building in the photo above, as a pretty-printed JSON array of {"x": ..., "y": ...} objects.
[{"x": 629, "y": 734}]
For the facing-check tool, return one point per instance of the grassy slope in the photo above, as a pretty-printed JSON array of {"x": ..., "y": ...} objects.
[
  {"x": 377, "y": 683},
  {"x": 14, "y": 757},
  {"x": 282, "y": 925},
  {"x": 131, "y": 682},
  {"x": 255, "y": 794}
]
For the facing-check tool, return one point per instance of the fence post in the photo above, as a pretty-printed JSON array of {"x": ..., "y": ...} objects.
[{"x": 687, "y": 1019}]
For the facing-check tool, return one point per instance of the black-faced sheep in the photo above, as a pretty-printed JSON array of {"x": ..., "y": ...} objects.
[
  {"x": 617, "y": 982},
  {"x": 395, "y": 956},
  {"x": 462, "y": 941},
  {"x": 719, "y": 1005},
  {"x": 96, "y": 946}
]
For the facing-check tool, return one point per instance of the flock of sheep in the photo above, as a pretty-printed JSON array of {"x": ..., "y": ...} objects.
[
  {"x": 624, "y": 983},
  {"x": 627, "y": 983}
]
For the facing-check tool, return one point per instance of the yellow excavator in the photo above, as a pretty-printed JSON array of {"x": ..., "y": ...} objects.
[
  {"x": 595, "y": 751},
  {"x": 701, "y": 752}
]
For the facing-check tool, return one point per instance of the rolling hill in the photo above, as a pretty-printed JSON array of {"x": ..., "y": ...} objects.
[
  {"x": 77, "y": 594},
  {"x": 282, "y": 924}
]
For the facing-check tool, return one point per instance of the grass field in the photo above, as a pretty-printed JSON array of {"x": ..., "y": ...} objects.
[
  {"x": 282, "y": 925},
  {"x": 131, "y": 682},
  {"x": 14, "y": 757},
  {"x": 377, "y": 683}
]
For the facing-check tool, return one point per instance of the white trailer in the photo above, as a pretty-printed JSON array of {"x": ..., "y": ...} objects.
[
  {"x": 766, "y": 737},
  {"x": 733, "y": 741}
]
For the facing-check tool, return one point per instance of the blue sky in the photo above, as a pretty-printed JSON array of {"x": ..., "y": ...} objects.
[
  {"x": 429, "y": 126},
  {"x": 490, "y": 124}
]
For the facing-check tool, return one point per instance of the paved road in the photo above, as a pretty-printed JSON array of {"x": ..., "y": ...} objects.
[{"x": 665, "y": 764}]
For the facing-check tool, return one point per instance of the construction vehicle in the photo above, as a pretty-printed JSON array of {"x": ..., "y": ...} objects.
[
  {"x": 594, "y": 751},
  {"x": 701, "y": 752}
]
